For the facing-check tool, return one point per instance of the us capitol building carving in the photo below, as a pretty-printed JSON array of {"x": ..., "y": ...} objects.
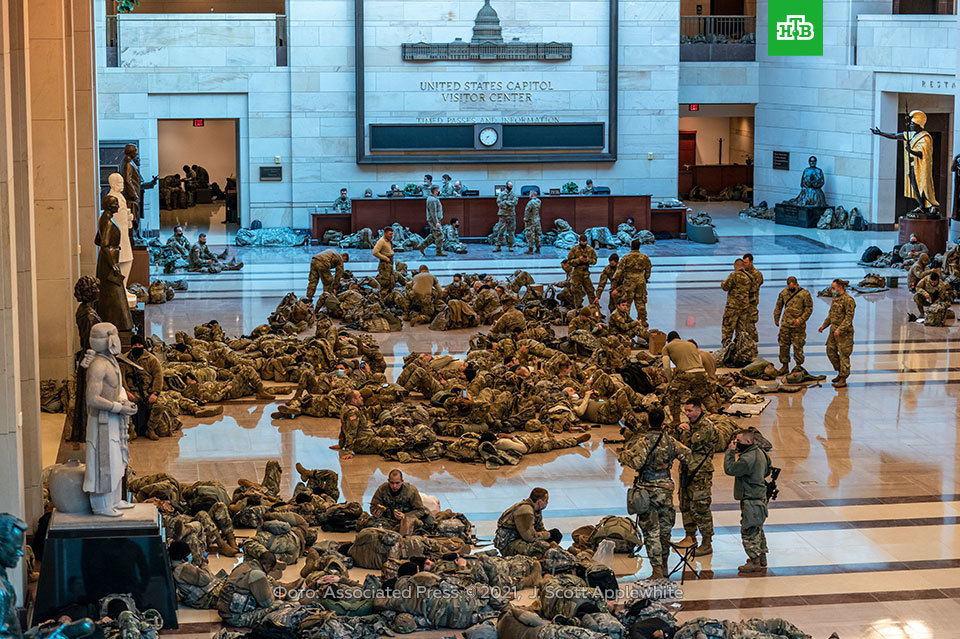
[{"x": 486, "y": 44}]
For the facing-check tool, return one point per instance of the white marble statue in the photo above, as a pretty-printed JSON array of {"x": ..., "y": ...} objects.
[
  {"x": 124, "y": 220},
  {"x": 108, "y": 410}
]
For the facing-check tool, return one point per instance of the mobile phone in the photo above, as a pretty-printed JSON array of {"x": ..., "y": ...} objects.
[{"x": 463, "y": 393}]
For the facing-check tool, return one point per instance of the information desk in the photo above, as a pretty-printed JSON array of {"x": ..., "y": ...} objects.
[{"x": 478, "y": 214}]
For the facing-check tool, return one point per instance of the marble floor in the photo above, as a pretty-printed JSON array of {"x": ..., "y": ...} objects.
[{"x": 864, "y": 537}]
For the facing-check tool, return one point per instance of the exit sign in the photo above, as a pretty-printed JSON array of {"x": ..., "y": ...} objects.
[
  {"x": 198, "y": 123},
  {"x": 691, "y": 107}
]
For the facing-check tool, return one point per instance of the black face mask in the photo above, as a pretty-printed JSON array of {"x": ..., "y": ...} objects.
[
  {"x": 742, "y": 447},
  {"x": 136, "y": 352}
]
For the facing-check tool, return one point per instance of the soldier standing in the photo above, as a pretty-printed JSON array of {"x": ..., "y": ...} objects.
[
  {"x": 520, "y": 528},
  {"x": 580, "y": 258},
  {"x": 606, "y": 275},
  {"x": 696, "y": 481},
  {"x": 630, "y": 280},
  {"x": 748, "y": 464},
  {"x": 320, "y": 266},
  {"x": 688, "y": 377},
  {"x": 840, "y": 341},
  {"x": 756, "y": 281},
  {"x": 737, "y": 285},
  {"x": 143, "y": 383},
  {"x": 434, "y": 218},
  {"x": 506, "y": 217},
  {"x": 531, "y": 222},
  {"x": 383, "y": 251},
  {"x": 651, "y": 454},
  {"x": 796, "y": 305}
]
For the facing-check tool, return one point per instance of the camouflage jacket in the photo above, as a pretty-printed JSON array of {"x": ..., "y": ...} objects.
[
  {"x": 532, "y": 211},
  {"x": 434, "y": 210},
  {"x": 407, "y": 500},
  {"x": 938, "y": 292},
  {"x": 795, "y": 306},
  {"x": 606, "y": 275},
  {"x": 756, "y": 281},
  {"x": 657, "y": 471},
  {"x": 507, "y": 203},
  {"x": 341, "y": 205},
  {"x": 354, "y": 427},
  {"x": 181, "y": 245},
  {"x": 509, "y": 321},
  {"x": 330, "y": 259},
  {"x": 446, "y": 189},
  {"x": 200, "y": 255},
  {"x": 841, "y": 313},
  {"x": 737, "y": 285},
  {"x": 582, "y": 257},
  {"x": 632, "y": 265},
  {"x": 701, "y": 439}
]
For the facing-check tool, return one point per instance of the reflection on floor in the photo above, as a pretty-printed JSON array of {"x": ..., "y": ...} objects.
[{"x": 863, "y": 539}]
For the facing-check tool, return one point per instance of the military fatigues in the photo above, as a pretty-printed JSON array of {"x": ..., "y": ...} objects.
[
  {"x": 510, "y": 321},
  {"x": 756, "y": 281},
  {"x": 696, "y": 481},
  {"x": 929, "y": 293},
  {"x": 531, "y": 225},
  {"x": 520, "y": 531},
  {"x": 737, "y": 312},
  {"x": 630, "y": 281},
  {"x": 434, "y": 217},
  {"x": 171, "y": 195},
  {"x": 320, "y": 267},
  {"x": 581, "y": 258},
  {"x": 689, "y": 377},
  {"x": 658, "y": 521},
  {"x": 750, "y": 490},
  {"x": 341, "y": 205},
  {"x": 179, "y": 245},
  {"x": 247, "y": 595},
  {"x": 358, "y": 436},
  {"x": 606, "y": 275},
  {"x": 383, "y": 251},
  {"x": 446, "y": 189},
  {"x": 197, "y": 587},
  {"x": 507, "y": 217},
  {"x": 840, "y": 346},
  {"x": 407, "y": 501},
  {"x": 794, "y": 306},
  {"x": 201, "y": 258},
  {"x": 141, "y": 384}
]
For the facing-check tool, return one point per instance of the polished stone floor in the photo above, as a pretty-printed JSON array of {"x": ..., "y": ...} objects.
[{"x": 864, "y": 537}]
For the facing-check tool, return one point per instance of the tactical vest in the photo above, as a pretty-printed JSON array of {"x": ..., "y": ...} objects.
[
  {"x": 191, "y": 594},
  {"x": 507, "y": 529},
  {"x": 234, "y": 600},
  {"x": 651, "y": 473}
]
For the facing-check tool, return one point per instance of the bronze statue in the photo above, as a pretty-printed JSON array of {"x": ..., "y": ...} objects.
[
  {"x": 133, "y": 183},
  {"x": 108, "y": 411},
  {"x": 917, "y": 164},
  {"x": 87, "y": 292},
  {"x": 811, "y": 186},
  {"x": 112, "y": 305},
  {"x": 11, "y": 549}
]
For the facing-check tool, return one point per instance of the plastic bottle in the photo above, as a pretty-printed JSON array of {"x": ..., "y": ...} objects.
[{"x": 604, "y": 553}]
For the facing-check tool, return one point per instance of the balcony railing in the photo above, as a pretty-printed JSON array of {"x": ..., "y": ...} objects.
[{"x": 717, "y": 38}]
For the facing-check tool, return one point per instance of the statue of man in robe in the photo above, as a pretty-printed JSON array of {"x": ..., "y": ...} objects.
[
  {"x": 917, "y": 164},
  {"x": 108, "y": 412}
]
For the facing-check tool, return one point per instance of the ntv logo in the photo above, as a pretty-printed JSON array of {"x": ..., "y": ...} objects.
[{"x": 795, "y": 27}]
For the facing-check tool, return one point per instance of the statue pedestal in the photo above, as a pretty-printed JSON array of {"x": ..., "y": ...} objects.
[
  {"x": 87, "y": 557},
  {"x": 803, "y": 216},
  {"x": 933, "y": 233}
]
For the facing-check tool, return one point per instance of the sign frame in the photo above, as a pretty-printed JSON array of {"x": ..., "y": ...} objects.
[
  {"x": 781, "y": 160},
  {"x": 611, "y": 125}
]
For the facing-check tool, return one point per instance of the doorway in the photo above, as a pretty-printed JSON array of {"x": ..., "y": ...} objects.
[{"x": 209, "y": 202}]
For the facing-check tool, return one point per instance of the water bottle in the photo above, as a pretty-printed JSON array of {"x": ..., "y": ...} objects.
[{"x": 604, "y": 554}]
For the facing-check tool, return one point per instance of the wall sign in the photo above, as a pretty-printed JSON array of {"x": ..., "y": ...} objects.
[
  {"x": 271, "y": 173},
  {"x": 781, "y": 160},
  {"x": 198, "y": 123}
]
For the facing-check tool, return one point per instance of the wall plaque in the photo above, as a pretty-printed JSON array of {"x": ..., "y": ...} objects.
[
  {"x": 271, "y": 173},
  {"x": 781, "y": 160}
]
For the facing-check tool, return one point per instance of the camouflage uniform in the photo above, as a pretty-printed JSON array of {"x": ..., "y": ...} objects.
[
  {"x": 446, "y": 189},
  {"x": 606, "y": 275},
  {"x": 202, "y": 259},
  {"x": 750, "y": 490},
  {"x": 658, "y": 521},
  {"x": 622, "y": 324},
  {"x": 795, "y": 306},
  {"x": 407, "y": 500},
  {"x": 696, "y": 481},
  {"x": 359, "y": 437},
  {"x": 341, "y": 205},
  {"x": 507, "y": 216},
  {"x": 939, "y": 292},
  {"x": 581, "y": 258},
  {"x": 434, "y": 217},
  {"x": 486, "y": 305},
  {"x": 509, "y": 538},
  {"x": 531, "y": 224},
  {"x": 179, "y": 245},
  {"x": 840, "y": 319},
  {"x": 918, "y": 271},
  {"x": 197, "y": 587},
  {"x": 247, "y": 595},
  {"x": 171, "y": 195},
  {"x": 451, "y": 239},
  {"x": 320, "y": 267},
  {"x": 736, "y": 314},
  {"x": 756, "y": 281},
  {"x": 630, "y": 280},
  {"x": 383, "y": 251},
  {"x": 510, "y": 321}
]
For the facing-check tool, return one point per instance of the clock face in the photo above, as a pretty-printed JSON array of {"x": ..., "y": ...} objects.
[{"x": 489, "y": 136}]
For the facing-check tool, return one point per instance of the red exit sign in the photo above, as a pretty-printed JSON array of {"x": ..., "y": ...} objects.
[
  {"x": 691, "y": 107},
  {"x": 198, "y": 123}
]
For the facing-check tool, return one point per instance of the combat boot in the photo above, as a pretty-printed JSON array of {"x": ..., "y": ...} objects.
[
  {"x": 209, "y": 411},
  {"x": 226, "y": 549},
  {"x": 287, "y": 411},
  {"x": 705, "y": 548},
  {"x": 439, "y": 254},
  {"x": 528, "y": 252},
  {"x": 510, "y": 248},
  {"x": 538, "y": 250},
  {"x": 752, "y": 565},
  {"x": 312, "y": 562},
  {"x": 657, "y": 573},
  {"x": 421, "y": 249},
  {"x": 840, "y": 383},
  {"x": 265, "y": 394},
  {"x": 305, "y": 474},
  {"x": 835, "y": 379},
  {"x": 497, "y": 250},
  {"x": 783, "y": 370},
  {"x": 152, "y": 435},
  {"x": 689, "y": 540},
  {"x": 585, "y": 437}
]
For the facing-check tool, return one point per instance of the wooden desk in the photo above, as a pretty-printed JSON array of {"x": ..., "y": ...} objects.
[
  {"x": 478, "y": 214},
  {"x": 320, "y": 223}
]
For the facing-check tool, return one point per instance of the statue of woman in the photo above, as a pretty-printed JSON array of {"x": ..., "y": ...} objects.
[
  {"x": 112, "y": 305},
  {"x": 811, "y": 186},
  {"x": 124, "y": 221}
]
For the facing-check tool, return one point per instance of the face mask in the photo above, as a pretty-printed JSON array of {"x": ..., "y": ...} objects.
[
  {"x": 742, "y": 447},
  {"x": 189, "y": 559},
  {"x": 575, "y": 396},
  {"x": 136, "y": 352},
  {"x": 341, "y": 372}
]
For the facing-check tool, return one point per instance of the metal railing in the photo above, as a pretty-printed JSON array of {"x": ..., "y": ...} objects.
[{"x": 717, "y": 29}]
